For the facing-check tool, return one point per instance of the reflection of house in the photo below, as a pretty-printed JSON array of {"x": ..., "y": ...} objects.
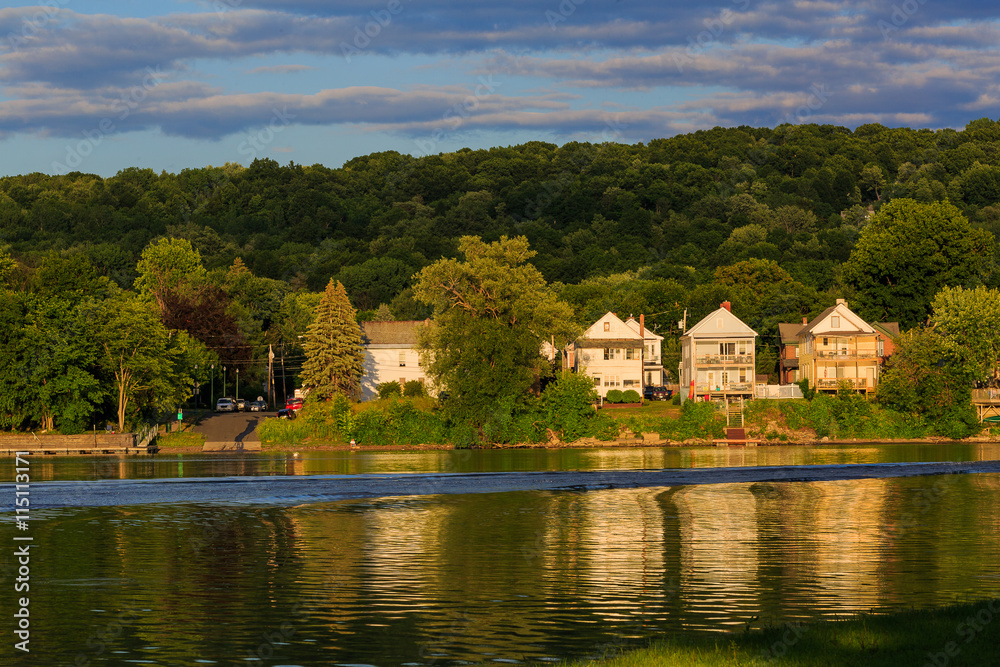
[
  {"x": 611, "y": 352},
  {"x": 390, "y": 354},
  {"x": 717, "y": 356},
  {"x": 840, "y": 346}
]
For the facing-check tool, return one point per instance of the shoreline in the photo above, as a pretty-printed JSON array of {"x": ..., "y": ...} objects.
[{"x": 585, "y": 443}]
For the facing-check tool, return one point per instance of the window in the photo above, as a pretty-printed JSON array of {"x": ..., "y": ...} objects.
[
  {"x": 597, "y": 381},
  {"x": 630, "y": 354},
  {"x": 402, "y": 358},
  {"x": 743, "y": 347},
  {"x": 826, "y": 342},
  {"x": 880, "y": 349},
  {"x": 607, "y": 354},
  {"x": 630, "y": 383},
  {"x": 607, "y": 326},
  {"x": 743, "y": 375},
  {"x": 612, "y": 381},
  {"x": 835, "y": 321}
]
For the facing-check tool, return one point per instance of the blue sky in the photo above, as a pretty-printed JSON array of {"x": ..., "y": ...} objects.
[{"x": 98, "y": 86}]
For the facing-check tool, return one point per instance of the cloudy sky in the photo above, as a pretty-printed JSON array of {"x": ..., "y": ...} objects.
[{"x": 100, "y": 85}]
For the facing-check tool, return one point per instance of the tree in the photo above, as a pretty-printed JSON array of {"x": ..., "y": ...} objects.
[
  {"x": 969, "y": 320},
  {"x": 908, "y": 253},
  {"x": 145, "y": 362},
  {"x": 168, "y": 265},
  {"x": 492, "y": 312},
  {"x": 334, "y": 355}
]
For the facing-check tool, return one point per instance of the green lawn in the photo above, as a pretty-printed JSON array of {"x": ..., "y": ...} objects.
[
  {"x": 650, "y": 409},
  {"x": 182, "y": 439},
  {"x": 967, "y": 634}
]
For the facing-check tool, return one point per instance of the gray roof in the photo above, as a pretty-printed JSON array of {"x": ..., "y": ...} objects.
[
  {"x": 892, "y": 328},
  {"x": 390, "y": 333}
]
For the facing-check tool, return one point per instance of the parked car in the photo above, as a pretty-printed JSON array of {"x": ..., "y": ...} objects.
[
  {"x": 241, "y": 405},
  {"x": 651, "y": 393},
  {"x": 294, "y": 404},
  {"x": 286, "y": 413},
  {"x": 225, "y": 404},
  {"x": 258, "y": 406}
]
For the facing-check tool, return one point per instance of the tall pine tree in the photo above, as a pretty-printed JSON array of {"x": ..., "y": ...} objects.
[{"x": 334, "y": 355}]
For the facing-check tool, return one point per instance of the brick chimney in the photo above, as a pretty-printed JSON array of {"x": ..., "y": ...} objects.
[
  {"x": 642, "y": 326},
  {"x": 805, "y": 320},
  {"x": 728, "y": 306}
]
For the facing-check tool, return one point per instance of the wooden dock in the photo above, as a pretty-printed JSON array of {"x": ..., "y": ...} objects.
[
  {"x": 736, "y": 436},
  {"x": 987, "y": 403},
  {"x": 89, "y": 444}
]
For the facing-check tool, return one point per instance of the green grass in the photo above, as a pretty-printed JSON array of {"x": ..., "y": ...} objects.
[
  {"x": 650, "y": 410},
  {"x": 966, "y": 634}
]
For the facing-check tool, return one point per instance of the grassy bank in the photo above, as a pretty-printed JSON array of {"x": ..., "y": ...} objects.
[{"x": 966, "y": 634}]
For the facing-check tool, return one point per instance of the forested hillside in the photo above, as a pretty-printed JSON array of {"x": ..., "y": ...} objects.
[{"x": 763, "y": 217}]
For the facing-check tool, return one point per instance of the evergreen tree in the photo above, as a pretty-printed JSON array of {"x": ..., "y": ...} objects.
[{"x": 334, "y": 355}]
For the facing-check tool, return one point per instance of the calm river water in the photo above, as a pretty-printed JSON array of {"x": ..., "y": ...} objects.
[{"x": 511, "y": 577}]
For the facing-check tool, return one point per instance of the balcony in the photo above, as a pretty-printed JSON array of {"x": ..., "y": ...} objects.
[
  {"x": 844, "y": 355},
  {"x": 732, "y": 387},
  {"x": 828, "y": 384},
  {"x": 725, "y": 359}
]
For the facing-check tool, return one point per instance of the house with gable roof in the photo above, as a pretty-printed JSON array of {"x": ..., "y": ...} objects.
[
  {"x": 611, "y": 352},
  {"x": 718, "y": 357},
  {"x": 839, "y": 346},
  {"x": 390, "y": 355}
]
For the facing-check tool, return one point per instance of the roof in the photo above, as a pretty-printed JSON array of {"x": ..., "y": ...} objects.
[
  {"x": 617, "y": 330},
  {"x": 390, "y": 333},
  {"x": 842, "y": 310},
  {"x": 890, "y": 328},
  {"x": 789, "y": 331},
  {"x": 732, "y": 326},
  {"x": 633, "y": 324},
  {"x": 622, "y": 343}
]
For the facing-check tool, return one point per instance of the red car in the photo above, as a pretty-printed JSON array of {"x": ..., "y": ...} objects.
[{"x": 294, "y": 404}]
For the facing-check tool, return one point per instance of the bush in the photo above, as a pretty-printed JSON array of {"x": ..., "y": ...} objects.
[
  {"x": 387, "y": 389},
  {"x": 414, "y": 389},
  {"x": 614, "y": 396},
  {"x": 568, "y": 405},
  {"x": 631, "y": 396}
]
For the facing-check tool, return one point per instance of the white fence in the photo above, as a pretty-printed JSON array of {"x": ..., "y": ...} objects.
[{"x": 778, "y": 391}]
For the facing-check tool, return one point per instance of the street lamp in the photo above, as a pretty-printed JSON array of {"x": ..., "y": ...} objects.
[
  {"x": 197, "y": 388},
  {"x": 223, "y": 380},
  {"x": 237, "y": 382},
  {"x": 213, "y": 384}
]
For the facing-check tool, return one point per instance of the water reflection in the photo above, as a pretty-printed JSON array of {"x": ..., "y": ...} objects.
[
  {"x": 493, "y": 460},
  {"x": 511, "y": 576}
]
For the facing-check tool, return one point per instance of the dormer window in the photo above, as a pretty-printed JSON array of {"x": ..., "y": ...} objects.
[{"x": 607, "y": 326}]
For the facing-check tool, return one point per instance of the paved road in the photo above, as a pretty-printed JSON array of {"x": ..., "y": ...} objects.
[
  {"x": 298, "y": 490},
  {"x": 232, "y": 428}
]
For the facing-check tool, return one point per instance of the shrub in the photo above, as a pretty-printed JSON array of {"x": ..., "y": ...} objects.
[
  {"x": 414, "y": 389},
  {"x": 387, "y": 389},
  {"x": 808, "y": 392},
  {"x": 568, "y": 405},
  {"x": 631, "y": 396},
  {"x": 614, "y": 396}
]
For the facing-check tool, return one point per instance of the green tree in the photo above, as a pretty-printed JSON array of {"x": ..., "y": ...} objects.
[
  {"x": 492, "y": 312},
  {"x": 334, "y": 355},
  {"x": 168, "y": 265},
  {"x": 969, "y": 320},
  {"x": 908, "y": 253},
  {"x": 143, "y": 360}
]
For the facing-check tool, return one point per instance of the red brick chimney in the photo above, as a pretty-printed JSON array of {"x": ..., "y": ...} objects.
[
  {"x": 642, "y": 326},
  {"x": 728, "y": 306},
  {"x": 805, "y": 320}
]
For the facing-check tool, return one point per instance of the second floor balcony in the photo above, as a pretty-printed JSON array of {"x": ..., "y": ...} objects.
[{"x": 725, "y": 359}]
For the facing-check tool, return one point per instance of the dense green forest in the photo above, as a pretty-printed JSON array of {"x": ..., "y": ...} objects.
[{"x": 767, "y": 218}]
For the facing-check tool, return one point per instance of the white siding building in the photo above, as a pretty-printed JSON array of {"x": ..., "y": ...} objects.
[
  {"x": 610, "y": 352},
  {"x": 390, "y": 354},
  {"x": 718, "y": 357}
]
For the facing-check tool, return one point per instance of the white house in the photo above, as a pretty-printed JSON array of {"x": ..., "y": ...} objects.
[
  {"x": 652, "y": 360},
  {"x": 717, "y": 357},
  {"x": 610, "y": 352},
  {"x": 390, "y": 354}
]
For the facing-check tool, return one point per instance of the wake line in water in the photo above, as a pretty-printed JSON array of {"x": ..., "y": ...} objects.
[{"x": 304, "y": 489}]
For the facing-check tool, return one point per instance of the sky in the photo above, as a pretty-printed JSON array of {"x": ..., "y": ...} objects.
[{"x": 101, "y": 85}]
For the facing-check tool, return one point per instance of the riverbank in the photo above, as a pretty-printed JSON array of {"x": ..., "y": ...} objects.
[{"x": 962, "y": 634}]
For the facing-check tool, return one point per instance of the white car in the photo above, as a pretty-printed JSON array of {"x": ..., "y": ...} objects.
[{"x": 225, "y": 405}]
